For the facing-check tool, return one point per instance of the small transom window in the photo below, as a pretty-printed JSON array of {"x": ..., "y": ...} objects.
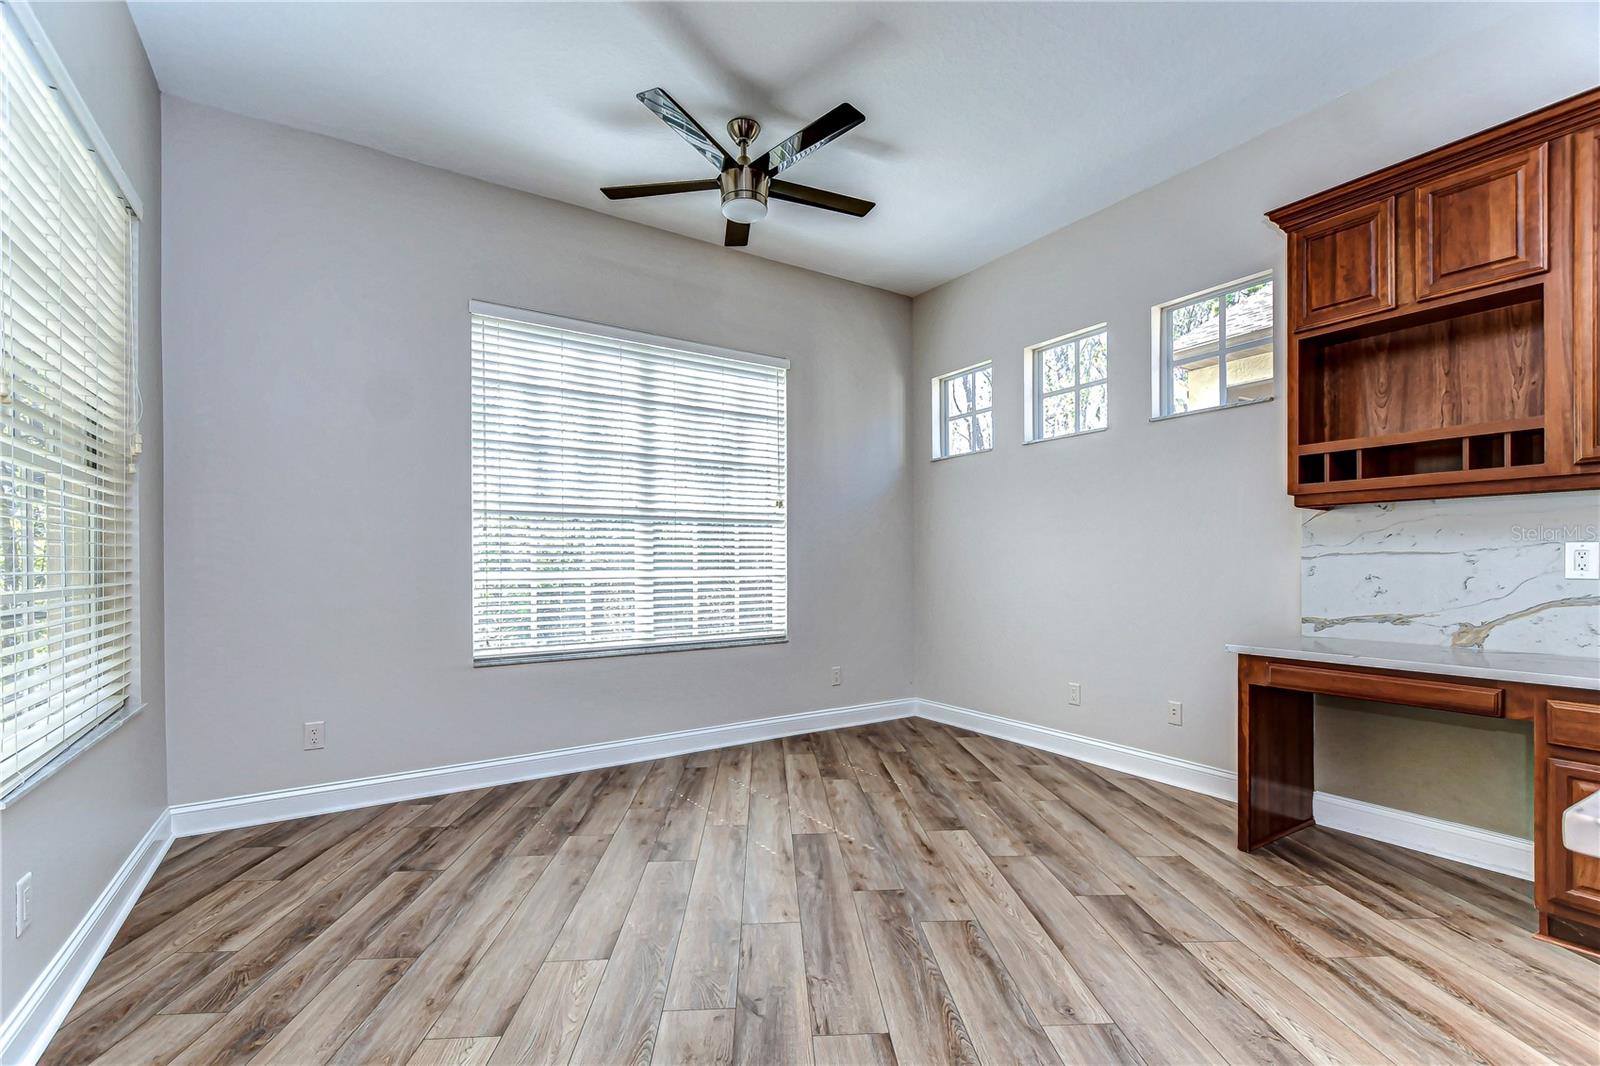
[{"x": 963, "y": 412}]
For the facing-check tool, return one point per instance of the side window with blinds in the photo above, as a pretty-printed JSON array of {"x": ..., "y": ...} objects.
[
  {"x": 628, "y": 492},
  {"x": 66, "y": 426}
]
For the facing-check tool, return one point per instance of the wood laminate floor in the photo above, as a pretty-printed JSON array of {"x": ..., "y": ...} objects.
[{"x": 902, "y": 892}]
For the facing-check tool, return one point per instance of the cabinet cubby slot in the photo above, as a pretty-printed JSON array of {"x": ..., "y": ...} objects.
[
  {"x": 1487, "y": 451},
  {"x": 1527, "y": 447},
  {"x": 1313, "y": 469}
]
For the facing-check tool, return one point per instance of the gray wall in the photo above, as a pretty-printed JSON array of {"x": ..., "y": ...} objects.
[
  {"x": 317, "y": 379},
  {"x": 1125, "y": 559},
  {"x": 1458, "y": 767},
  {"x": 77, "y": 828}
]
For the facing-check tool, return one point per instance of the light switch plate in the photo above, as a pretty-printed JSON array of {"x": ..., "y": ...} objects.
[{"x": 1583, "y": 559}]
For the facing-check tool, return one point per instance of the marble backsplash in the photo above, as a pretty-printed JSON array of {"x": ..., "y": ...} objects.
[{"x": 1470, "y": 573}]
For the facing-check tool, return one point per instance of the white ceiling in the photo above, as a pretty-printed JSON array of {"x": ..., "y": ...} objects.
[{"x": 988, "y": 125}]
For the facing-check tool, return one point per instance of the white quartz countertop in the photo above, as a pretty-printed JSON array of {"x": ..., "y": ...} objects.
[{"x": 1566, "y": 671}]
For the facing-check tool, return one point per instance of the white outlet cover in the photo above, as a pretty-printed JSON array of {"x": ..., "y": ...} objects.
[
  {"x": 1583, "y": 559},
  {"x": 24, "y": 903},
  {"x": 1174, "y": 712},
  {"x": 1074, "y": 693}
]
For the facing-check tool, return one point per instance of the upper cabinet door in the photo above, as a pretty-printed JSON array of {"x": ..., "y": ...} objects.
[
  {"x": 1482, "y": 224},
  {"x": 1586, "y": 294},
  {"x": 1345, "y": 265}
]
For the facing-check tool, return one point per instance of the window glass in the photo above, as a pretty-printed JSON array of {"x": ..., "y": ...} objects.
[
  {"x": 1217, "y": 350},
  {"x": 1066, "y": 385}
]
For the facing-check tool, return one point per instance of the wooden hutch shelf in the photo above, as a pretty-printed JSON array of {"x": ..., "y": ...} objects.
[{"x": 1442, "y": 339}]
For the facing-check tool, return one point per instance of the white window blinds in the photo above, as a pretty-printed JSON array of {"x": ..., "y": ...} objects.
[
  {"x": 628, "y": 493},
  {"x": 66, "y": 426}
]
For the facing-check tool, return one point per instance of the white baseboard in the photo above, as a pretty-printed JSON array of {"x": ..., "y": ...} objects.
[
  {"x": 232, "y": 812},
  {"x": 1432, "y": 836},
  {"x": 1196, "y": 777},
  {"x": 27, "y": 1029}
]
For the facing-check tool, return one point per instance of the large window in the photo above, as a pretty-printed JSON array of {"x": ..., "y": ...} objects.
[
  {"x": 66, "y": 426},
  {"x": 1216, "y": 348},
  {"x": 628, "y": 492},
  {"x": 963, "y": 412},
  {"x": 1064, "y": 381}
]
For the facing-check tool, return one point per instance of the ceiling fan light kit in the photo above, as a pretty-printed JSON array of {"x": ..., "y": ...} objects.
[
  {"x": 744, "y": 188},
  {"x": 746, "y": 184}
]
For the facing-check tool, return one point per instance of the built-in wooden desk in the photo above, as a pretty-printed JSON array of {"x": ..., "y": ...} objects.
[{"x": 1561, "y": 695}]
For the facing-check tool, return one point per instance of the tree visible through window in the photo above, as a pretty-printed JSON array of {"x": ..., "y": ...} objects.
[
  {"x": 963, "y": 412},
  {"x": 1216, "y": 349},
  {"x": 1066, "y": 385}
]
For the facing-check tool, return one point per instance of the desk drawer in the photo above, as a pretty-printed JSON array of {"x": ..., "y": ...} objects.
[
  {"x": 1411, "y": 691},
  {"x": 1575, "y": 725}
]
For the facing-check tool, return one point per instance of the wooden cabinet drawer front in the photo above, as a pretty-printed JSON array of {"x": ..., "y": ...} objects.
[
  {"x": 1483, "y": 224},
  {"x": 1573, "y": 879},
  {"x": 1574, "y": 725},
  {"x": 1344, "y": 265},
  {"x": 1410, "y": 691}
]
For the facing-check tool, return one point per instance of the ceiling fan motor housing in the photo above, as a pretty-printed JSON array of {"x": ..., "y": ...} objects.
[{"x": 744, "y": 194}]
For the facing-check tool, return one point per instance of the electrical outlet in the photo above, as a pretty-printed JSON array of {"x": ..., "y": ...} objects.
[
  {"x": 1174, "y": 712},
  {"x": 1074, "y": 693},
  {"x": 1583, "y": 559},
  {"x": 313, "y": 736},
  {"x": 836, "y": 676},
  {"x": 24, "y": 902}
]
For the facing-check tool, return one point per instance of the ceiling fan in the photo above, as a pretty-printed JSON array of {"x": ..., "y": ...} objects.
[{"x": 747, "y": 183}]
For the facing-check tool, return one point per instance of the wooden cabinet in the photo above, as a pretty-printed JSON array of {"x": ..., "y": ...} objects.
[
  {"x": 1482, "y": 224},
  {"x": 1442, "y": 332},
  {"x": 1345, "y": 265},
  {"x": 1573, "y": 879},
  {"x": 1566, "y": 738},
  {"x": 1586, "y": 294}
]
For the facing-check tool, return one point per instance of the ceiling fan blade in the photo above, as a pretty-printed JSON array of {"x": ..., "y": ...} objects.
[
  {"x": 737, "y": 234},
  {"x": 658, "y": 188},
  {"x": 835, "y": 123},
  {"x": 668, "y": 110},
  {"x": 828, "y": 201}
]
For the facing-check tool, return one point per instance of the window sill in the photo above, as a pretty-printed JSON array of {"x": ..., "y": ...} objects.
[
  {"x": 1212, "y": 410},
  {"x": 612, "y": 653},
  {"x": 962, "y": 455},
  {"x": 1068, "y": 436},
  {"x": 59, "y": 761}
]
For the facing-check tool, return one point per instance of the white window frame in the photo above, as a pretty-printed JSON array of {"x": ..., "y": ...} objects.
[
  {"x": 1161, "y": 373},
  {"x": 629, "y": 336},
  {"x": 1034, "y": 395},
  {"x": 942, "y": 416},
  {"x": 23, "y": 21}
]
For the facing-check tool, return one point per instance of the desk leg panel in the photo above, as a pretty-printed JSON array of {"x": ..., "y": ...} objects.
[{"x": 1276, "y": 775}]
